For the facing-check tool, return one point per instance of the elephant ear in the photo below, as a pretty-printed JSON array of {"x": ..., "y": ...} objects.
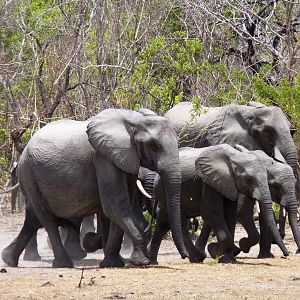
[
  {"x": 214, "y": 168},
  {"x": 110, "y": 134}
]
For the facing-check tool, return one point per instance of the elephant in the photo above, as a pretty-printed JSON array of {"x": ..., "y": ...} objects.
[
  {"x": 281, "y": 183},
  {"x": 213, "y": 178},
  {"x": 72, "y": 169},
  {"x": 254, "y": 126}
]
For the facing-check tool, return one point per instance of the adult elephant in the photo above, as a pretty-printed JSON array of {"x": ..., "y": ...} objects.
[
  {"x": 254, "y": 126},
  {"x": 69, "y": 169},
  {"x": 213, "y": 178}
]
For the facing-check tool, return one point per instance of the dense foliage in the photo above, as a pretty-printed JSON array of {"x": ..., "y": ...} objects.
[{"x": 75, "y": 58}]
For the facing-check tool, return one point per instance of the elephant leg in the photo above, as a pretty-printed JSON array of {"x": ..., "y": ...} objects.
[
  {"x": 87, "y": 225},
  {"x": 138, "y": 210},
  {"x": 112, "y": 256},
  {"x": 230, "y": 211},
  {"x": 10, "y": 254},
  {"x": 92, "y": 241},
  {"x": 245, "y": 217},
  {"x": 72, "y": 241},
  {"x": 265, "y": 240},
  {"x": 49, "y": 222},
  {"x": 31, "y": 250},
  {"x": 118, "y": 207},
  {"x": 162, "y": 226},
  {"x": 61, "y": 257},
  {"x": 214, "y": 213},
  {"x": 203, "y": 238},
  {"x": 105, "y": 225},
  {"x": 194, "y": 255}
]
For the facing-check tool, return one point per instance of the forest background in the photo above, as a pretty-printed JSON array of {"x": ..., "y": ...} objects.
[{"x": 72, "y": 59}]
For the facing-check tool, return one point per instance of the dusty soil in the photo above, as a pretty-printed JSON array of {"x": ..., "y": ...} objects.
[{"x": 173, "y": 278}]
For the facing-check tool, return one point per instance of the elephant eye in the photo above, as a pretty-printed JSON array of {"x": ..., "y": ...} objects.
[
  {"x": 248, "y": 181},
  {"x": 153, "y": 145}
]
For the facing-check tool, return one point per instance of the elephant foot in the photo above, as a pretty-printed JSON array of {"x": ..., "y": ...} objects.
[
  {"x": 263, "y": 254},
  {"x": 153, "y": 259},
  {"x": 197, "y": 257},
  {"x": 244, "y": 245},
  {"x": 92, "y": 242},
  {"x": 298, "y": 251},
  {"x": 31, "y": 256},
  {"x": 112, "y": 262},
  {"x": 225, "y": 259},
  {"x": 76, "y": 252},
  {"x": 214, "y": 250},
  {"x": 153, "y": 262},
  {"x": 9, "y": 258},
  {"x": 236, "y": 250},
  {"x": 138, "y": 258},
  {"x": 62, "y": 263}
]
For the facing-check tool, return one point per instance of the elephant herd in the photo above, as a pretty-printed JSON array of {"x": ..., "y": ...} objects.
[{"x": 210, "y": 162}]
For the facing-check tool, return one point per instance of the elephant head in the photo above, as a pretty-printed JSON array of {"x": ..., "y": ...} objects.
[
  {"x": 231, "y": 172},
  {"x": 131, "y": 139},
  {"x": 272, "y": 131},
  {"x": 282, "y": 186}
]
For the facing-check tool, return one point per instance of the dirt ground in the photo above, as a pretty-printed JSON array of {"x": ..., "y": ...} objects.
[{"x": 173, "y": 278}]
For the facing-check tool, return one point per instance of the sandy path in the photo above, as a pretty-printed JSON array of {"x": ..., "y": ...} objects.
[{"x": 173, "y": 278}]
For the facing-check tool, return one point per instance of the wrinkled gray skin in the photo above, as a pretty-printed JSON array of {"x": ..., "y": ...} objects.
[
  {"x": 255, "y": 126},
  {"x": 281, "y": 183},
  {"x": 68, "y": 166},
  {"x": 212, "y": 180}
]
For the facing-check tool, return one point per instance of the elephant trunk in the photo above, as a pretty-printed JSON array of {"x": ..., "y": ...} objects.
[
  {"x": 288, "y": 150},
  {"x": 292, "y": 213},
  {"x": 266, "y": 207},
  {"x": 171, "y": 179}
]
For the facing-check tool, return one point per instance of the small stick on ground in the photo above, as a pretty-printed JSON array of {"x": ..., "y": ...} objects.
[{"x": 81, "y": 277}]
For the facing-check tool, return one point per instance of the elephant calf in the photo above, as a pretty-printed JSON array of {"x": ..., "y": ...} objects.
[
  {"x": 212, "y": 180},
  {"x": 281, "y": 183}
]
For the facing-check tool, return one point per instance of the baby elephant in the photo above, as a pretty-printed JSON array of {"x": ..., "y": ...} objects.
[
  {"x": 213, "y": 178},
  {"x": 281, "y": 182}
]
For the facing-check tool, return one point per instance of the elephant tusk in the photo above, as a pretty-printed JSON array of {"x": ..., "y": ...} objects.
[
  {"x": 10, "y": 189},
  {"x": 284, "y": 212},
  {"x": 142, "y": 190},
  {"x": 257, "y": 207}
]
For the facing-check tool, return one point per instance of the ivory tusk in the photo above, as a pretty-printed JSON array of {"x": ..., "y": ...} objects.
[
  {"x": 284, "y": 212},
  {"x": 10, "y": 189},
  {"x": 142, "y": 190}
]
